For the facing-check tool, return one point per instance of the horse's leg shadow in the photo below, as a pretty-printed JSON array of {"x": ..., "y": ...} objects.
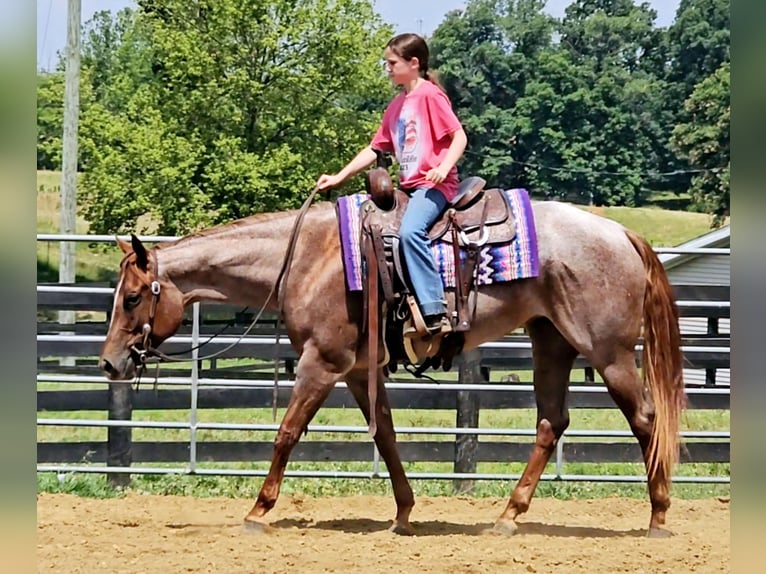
[{"x": 566, "y": 531}]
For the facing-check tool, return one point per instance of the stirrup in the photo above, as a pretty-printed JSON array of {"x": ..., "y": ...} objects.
[{"x": 442, "y": 327}]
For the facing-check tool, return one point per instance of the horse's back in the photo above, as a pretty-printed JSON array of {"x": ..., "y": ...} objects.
[
  {"x": 592, "y": 275},
  {"x": 568, "y": 233}
]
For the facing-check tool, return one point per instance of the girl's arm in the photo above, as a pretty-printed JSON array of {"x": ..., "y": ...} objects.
[
  {"x": 362, "y": 160},
  {"x": 454, "y": 153}
]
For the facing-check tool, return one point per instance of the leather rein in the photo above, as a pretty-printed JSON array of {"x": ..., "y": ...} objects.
[{"x": 146, "y": 353}]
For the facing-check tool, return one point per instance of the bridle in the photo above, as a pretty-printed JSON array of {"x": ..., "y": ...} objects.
[{"x": 147, "y": 353}]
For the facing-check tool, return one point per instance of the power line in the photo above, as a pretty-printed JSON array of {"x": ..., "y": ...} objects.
[
  {"x": 619, "y": 173},
  {"x": 45, "y": 33},
  {"x": 607, "y": 173}
]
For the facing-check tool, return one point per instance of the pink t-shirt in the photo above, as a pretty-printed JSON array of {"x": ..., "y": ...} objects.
[{"x": 416, "y": 128}]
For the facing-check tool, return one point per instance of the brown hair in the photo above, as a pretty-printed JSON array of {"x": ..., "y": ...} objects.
[{"x": 408, "y": 46}]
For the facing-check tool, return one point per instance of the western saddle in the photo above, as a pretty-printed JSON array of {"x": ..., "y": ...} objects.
[{"x": 475, "y": 218}]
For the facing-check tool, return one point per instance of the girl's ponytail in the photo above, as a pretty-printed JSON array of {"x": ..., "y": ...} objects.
[{"x": 434, "y": 77}]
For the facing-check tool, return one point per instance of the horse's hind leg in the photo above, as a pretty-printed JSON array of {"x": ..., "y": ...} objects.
[
  {"x": 312, "y": 386},
  {"x": 627, "y": 389},
  {"x": 553, "y": 358},
  {"x": 385, "y": 440}
]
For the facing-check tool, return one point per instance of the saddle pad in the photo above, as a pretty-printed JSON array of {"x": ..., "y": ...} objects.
[{"x": 497, "y": 263}]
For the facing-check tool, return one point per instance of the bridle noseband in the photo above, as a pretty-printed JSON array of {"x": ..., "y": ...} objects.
[{"x": 146, "y": 351}]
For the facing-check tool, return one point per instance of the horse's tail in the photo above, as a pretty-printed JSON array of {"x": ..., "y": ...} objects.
[{"x": 662, "y": 361}]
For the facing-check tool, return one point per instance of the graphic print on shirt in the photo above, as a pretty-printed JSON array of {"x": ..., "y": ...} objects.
[{"x": 407, "y": 141}]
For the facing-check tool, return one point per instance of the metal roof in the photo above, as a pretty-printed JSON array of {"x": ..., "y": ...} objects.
[{"x": 720, "y": 237}]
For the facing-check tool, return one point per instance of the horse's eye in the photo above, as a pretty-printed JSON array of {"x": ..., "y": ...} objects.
[{"x": 131, "y": 300}]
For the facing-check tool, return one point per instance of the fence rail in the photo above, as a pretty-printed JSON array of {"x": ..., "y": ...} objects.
[{"x": 210, "y": 385}]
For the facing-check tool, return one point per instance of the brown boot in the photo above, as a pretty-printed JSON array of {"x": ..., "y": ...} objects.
[{"x": 435, "y": 325}]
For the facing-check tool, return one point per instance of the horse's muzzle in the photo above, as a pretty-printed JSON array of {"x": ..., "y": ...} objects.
[{"x": 118, "y": 371}]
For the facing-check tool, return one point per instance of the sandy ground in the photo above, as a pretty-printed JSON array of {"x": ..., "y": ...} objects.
[{"x": 175, "y": 534}]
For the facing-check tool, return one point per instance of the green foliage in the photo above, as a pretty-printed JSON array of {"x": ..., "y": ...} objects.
[
  {"x": 704, "y": 140},
  {"x": 613, "y": 45},
  {"x": 195, "y": 113},
  {"x": 487, "y": 56},
  {"x": 579, "y": 118},
  {"x": 139, "y": 166},
  {"x": 96, "y": 486},
  {"x": 698, "y": 43},
  {"x": 50, "y": 120},
  {"x": 213, "y": 111}
]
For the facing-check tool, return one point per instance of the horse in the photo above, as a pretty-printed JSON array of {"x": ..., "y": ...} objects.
[{"x": 600, "y": 288}]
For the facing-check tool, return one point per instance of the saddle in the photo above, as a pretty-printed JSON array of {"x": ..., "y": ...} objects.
[{"x": 476, "y": 217}]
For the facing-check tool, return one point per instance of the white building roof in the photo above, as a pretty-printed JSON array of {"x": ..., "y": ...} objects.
[{"x": 720, "y": 237}]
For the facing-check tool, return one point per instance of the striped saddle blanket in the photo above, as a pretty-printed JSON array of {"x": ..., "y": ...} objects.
[{"x": 498, "y": 262}]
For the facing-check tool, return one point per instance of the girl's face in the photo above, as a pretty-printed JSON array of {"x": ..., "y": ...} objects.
[{"x": 400, "y": 71}]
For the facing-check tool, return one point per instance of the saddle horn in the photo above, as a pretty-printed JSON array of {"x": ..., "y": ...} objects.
[{"x": 378, "y": 184}]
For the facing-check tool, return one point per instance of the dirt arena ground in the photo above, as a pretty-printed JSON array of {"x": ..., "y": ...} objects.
[{"x": 170, "y": 534}]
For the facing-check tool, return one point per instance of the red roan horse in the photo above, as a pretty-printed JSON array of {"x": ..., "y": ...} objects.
[{"x": 598, "y": 282}]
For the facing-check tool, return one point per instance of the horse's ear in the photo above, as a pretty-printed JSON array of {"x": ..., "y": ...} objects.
[
  {"x": 124, "y": 245},
  {"x": 142, "y": 259}
]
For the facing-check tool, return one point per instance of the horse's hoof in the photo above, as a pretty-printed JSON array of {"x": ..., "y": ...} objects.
[
  {"x": 401, "y": 529},
  {"x": 256, "y": 527},
  {"x": 659, "y": 533},
  {"x": 503, "y": 527}
]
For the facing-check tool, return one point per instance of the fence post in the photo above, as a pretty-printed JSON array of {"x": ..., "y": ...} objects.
[
  {"x": 712, "y": 329},
  {"x": 466, "y": 445},
  {"x": 119, "y": 439}
]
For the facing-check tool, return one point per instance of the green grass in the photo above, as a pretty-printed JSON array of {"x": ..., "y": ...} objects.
[
  {"x": 93, "y": 262},
  {"x": 660, "y": 227},
  {"x": 205, "y": 486},
  {"x": 95, "y": 485},
  {"x": 48, "y": 181}
]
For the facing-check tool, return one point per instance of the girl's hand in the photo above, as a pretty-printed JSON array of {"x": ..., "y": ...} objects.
[
  {"x": 437, "y": 174},
  {"x": 327, "y": 181}
]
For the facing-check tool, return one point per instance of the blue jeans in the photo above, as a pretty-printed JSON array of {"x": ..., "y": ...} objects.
[{"x": 424, "y": 208}]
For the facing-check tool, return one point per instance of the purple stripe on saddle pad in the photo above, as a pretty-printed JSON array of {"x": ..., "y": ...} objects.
[
  {"x": 497, "y": 263},
  {"x": 349, "y": 220}
]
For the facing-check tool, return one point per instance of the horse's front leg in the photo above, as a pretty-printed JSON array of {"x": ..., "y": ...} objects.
[
  {"x": 385, "y": 439},
  {"x": 313, "y": 383}
]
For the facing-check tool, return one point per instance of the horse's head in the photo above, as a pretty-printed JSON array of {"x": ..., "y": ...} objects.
[{"x": 146, "y": 311}]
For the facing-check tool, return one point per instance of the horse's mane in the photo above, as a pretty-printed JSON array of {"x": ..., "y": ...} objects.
[{"x": 240, "y": 225}]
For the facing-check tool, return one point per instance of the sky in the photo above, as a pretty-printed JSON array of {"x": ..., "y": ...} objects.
[{"x": 421, "y": 16}]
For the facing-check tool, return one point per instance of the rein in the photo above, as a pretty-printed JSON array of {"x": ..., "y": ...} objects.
[
  {"x": 147, "y": 353},
  {"x": 279, "y": 286}
]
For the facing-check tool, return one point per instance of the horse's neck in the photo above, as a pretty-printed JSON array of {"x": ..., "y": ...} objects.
[{"x": 237, "y": 263}]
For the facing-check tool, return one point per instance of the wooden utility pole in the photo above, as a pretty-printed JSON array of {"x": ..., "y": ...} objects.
[{"x": 69, "y": 151}]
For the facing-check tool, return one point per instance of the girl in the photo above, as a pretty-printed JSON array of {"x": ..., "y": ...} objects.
[{"x": 421, "y": 130}]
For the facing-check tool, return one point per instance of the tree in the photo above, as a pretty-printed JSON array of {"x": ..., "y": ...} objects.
[
  {"x": 50, "y": 119},
  {"x": 50, "y": 116},
  {"x": 578, "y": 118},
  {"x": 115, "y": 52},
  {"x": 228, "y": 108},
  {"x": 487, "y": 55},
  {"x": 697, "y": 45},
  {"x": 614, "y": 48},
  {"x": 699, "y": 42},
  {"x": 704, "y": 141}
]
